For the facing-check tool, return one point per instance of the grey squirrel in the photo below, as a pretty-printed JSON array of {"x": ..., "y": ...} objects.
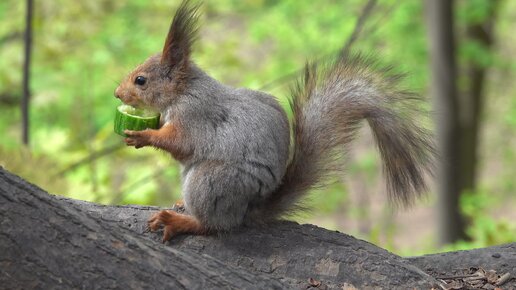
[{"x": 238, "y": 166}]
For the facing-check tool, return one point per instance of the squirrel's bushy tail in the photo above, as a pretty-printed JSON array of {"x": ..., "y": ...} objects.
[{"x": 329, "y": 105}]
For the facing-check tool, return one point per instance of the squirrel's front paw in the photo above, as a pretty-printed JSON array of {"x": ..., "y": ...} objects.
[
  {"x": 138, "y": 139},
  {"x": 179, "y": 206}
]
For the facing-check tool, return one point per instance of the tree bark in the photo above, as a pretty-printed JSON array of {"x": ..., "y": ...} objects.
[
  {"x": 51, "y": 243},
  {"x": 502, "y": 258},
  {"x": 444, "y": 92},
  {"x": 54, "y": 242}
]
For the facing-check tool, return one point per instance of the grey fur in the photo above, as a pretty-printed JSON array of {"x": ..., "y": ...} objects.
[{"x": 240, "y": 140}]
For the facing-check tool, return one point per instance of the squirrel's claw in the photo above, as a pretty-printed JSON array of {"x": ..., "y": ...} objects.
[{"x": 167, "y": 233}]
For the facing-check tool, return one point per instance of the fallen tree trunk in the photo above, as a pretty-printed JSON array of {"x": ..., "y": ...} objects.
[{"x": 53, "y": 242}]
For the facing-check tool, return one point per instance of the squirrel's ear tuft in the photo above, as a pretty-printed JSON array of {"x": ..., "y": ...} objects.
[{"x": 182, "y": 34}]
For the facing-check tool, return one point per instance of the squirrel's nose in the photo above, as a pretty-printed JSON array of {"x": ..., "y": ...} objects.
[{"x": 117, "y": 93}]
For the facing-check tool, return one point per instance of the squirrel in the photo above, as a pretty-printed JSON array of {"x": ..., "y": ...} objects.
[{"x": 238, "y": 165}]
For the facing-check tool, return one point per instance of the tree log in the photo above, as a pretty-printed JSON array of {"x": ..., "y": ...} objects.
[{"x": 53, "y": 242}]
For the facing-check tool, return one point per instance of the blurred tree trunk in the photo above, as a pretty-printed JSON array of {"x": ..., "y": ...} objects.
[
  {"x": 446, "y": 103},
  {"x": 26, "y": 73},
  {"x": 458, "y": 115},
  {"x": 471, "y": 103}
]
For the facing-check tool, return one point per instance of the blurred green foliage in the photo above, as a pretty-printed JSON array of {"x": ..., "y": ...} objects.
[{"x": 82, "y": 49}]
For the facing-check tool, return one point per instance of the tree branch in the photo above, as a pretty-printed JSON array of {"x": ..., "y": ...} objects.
[{"x": 54, "y": 242}]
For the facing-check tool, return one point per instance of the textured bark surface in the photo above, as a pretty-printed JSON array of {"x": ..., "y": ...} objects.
[
  {"x": 52, "y": 242},
  {"x": 48, "y": 243},
  {"x": 500, "y": 258}
]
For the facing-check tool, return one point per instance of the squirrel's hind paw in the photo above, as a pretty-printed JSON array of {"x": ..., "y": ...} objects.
[
  {"x": 163, "y": 218},
  {"x": 174, "y": 223}
]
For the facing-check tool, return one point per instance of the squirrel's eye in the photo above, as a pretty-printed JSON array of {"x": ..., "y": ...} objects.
[{"x": 139, "y": 80}]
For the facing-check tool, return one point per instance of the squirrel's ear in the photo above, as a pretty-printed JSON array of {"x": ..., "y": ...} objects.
[{"x": 181, "y": 35}]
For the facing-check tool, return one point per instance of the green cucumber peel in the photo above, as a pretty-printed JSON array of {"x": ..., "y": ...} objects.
[{"x": 135, "y": 119}]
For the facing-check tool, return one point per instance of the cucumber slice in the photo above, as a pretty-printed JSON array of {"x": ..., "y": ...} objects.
[{"x": 130, "y": 118}]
